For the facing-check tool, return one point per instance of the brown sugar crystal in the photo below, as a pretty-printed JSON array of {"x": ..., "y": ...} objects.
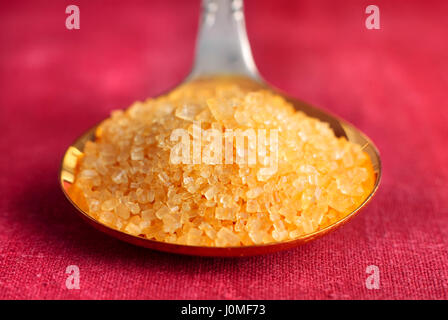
[{"x": 128, "y": 180}]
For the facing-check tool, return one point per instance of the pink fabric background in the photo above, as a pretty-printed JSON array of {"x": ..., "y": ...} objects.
[{"x": 392, "y": 83}]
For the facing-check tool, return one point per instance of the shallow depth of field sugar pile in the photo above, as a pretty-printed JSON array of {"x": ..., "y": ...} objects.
[{"x": 210, "y": 193}]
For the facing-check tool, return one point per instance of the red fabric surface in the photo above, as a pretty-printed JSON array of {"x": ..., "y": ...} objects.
[{"x": 391, "y": 83}]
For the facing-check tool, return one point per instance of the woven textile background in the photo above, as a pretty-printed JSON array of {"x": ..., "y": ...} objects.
[{"x": 391, "y": 83}]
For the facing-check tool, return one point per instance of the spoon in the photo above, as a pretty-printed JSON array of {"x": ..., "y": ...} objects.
[{"x": 223, "y": 50}]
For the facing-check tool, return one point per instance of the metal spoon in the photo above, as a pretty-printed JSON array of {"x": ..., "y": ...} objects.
[{"x": 223, "y": 49}]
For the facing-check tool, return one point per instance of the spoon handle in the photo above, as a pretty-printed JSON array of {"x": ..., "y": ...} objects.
[{"x": 222, "y": 45}]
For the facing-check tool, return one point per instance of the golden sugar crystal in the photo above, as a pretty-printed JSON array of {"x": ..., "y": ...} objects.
[
  {"x": 187, "y": 111},
  {"x": 194, "y": 236},
  {"x": 129, "y": 183},
  {"x": 123, "y": 211},
  {"x": 226, "y": 213},
  {"x": 107, "y": 218},
  {"x": 226, "y": 237},
  {"x": 108, "y": 205},
  {"x": 133, "y": 229}
]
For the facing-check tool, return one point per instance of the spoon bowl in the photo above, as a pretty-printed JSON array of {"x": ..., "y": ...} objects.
[{"x": 223, "y": 49}]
